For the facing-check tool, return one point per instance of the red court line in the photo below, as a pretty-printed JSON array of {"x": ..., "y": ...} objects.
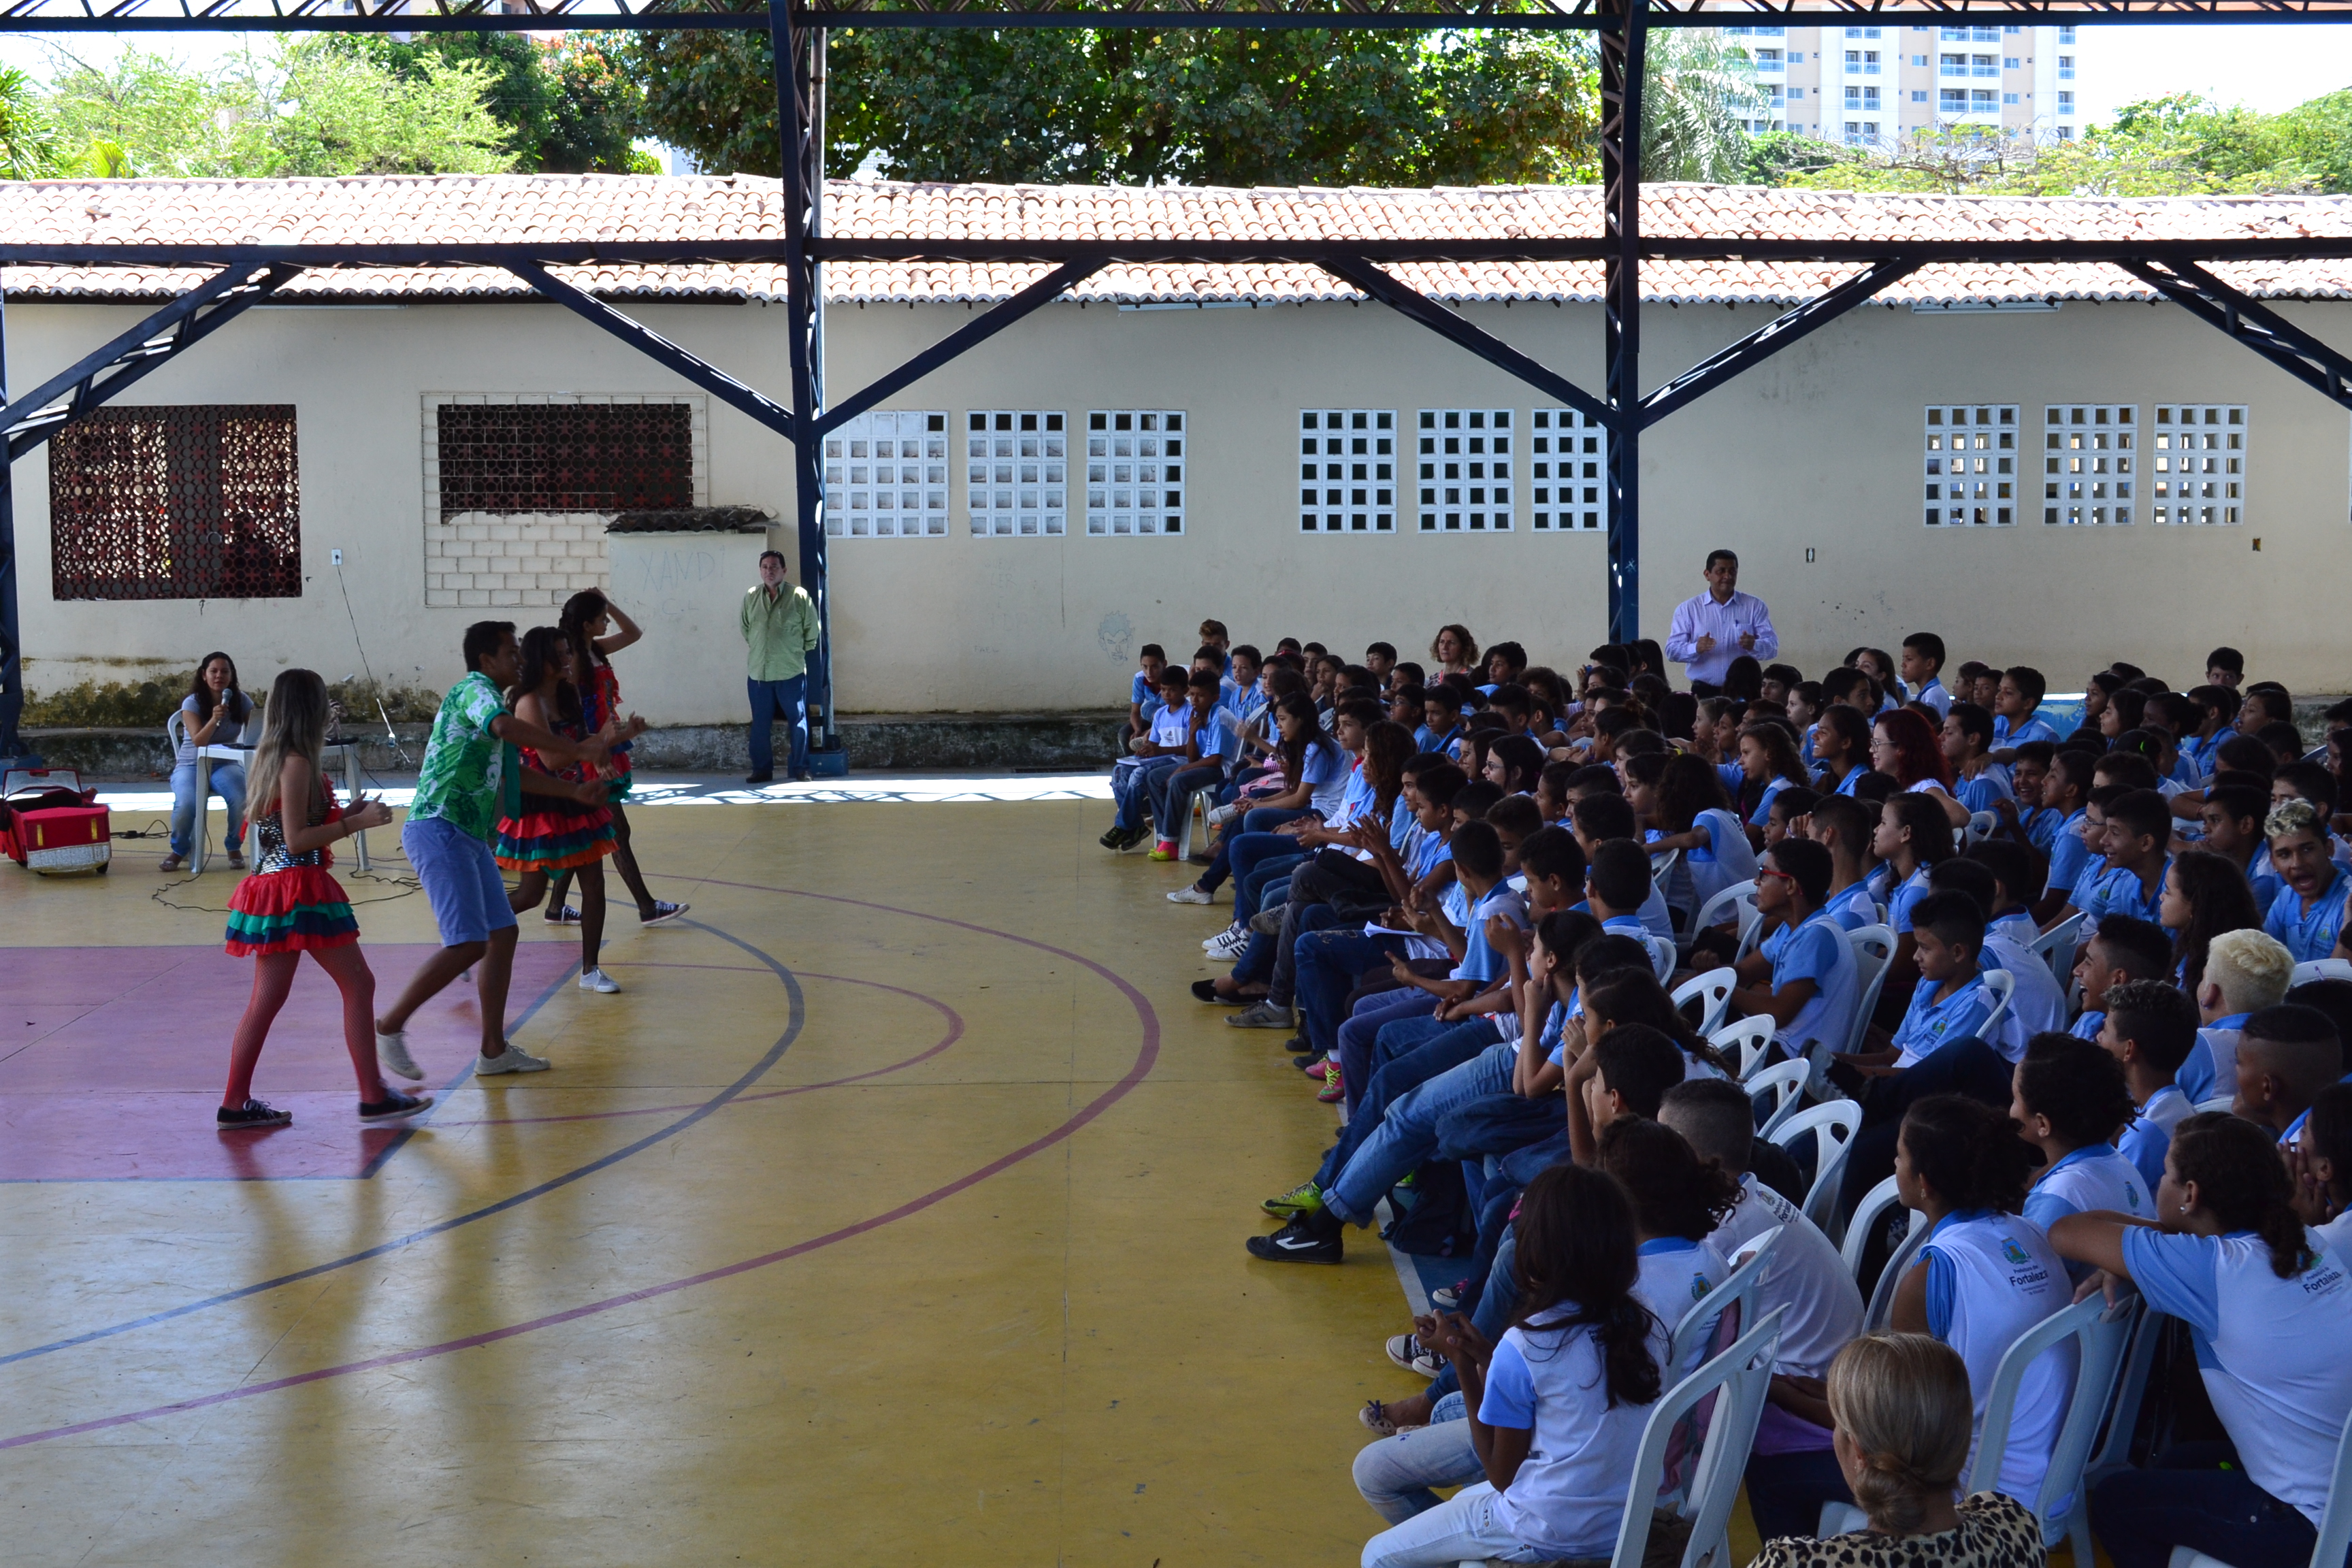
[
  {"x": 955, "y": 1033},
  {"x": 1147, "y": 1055}
]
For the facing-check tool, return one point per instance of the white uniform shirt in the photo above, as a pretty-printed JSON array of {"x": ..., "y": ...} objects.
[
  {"x": 1805, "y": 1275},
  {"x": 1992, "y": 1277},
  {"x": 2037, "y": 1004},
  {"x": 1675, "y": 1276},
  {"x": 1568, "y": 1496}
]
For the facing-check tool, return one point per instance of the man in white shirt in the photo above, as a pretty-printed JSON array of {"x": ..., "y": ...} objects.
[{"x": 1713, "y": 628}]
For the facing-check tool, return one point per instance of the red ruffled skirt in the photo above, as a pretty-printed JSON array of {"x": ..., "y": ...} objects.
[
  {"x": 556, "y": 837},
  {"x": 297, "y": 909}
]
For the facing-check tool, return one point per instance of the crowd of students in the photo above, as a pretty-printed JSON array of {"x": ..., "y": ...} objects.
[{"x": 1462, "y": 890}]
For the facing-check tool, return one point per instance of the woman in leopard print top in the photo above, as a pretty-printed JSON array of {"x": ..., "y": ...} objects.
[{"x": 1903, "y": 1419}]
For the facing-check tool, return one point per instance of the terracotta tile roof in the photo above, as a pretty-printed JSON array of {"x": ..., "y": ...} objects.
[{"x": 521, "y": 208}]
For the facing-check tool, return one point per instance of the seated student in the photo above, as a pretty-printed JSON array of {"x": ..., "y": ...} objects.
[
  {"x": 2245, "y": 972},
  {"x": 2217, "y": 709},
  {"x": 1979, "y": 782},
  {"x": 1679, "y": 1200},
  {"x": 2065, "y": 794},
  {"x": 1841, "y": 825},
  {"x": 2269, "y": 1312},
  {"x": 1168, "y": 744},
  {"x": 1987, "y": 1275},
  {"x": 2233, "y": 816},
  {"x": 1597, "y": 818},
  {"x": 1208, "y": 728},
  {"x": 1905, "y": 1421},
  {"x": 1409, "y": 706},
  {"x": 1922, "y": 672},
  {"x": 2023, "y": 819},
  {"x": 2016, "y": 700},
  {"x": 1804, "y": 977},
  {"x": 1380, "y": 658},
  {"x": 1779, "y": 680},
  {"x": 2204, "y": 896},
  {"x": 1441, "y": 720},
  {"x": 1514, "y": 763},
  {"x": 2320, "y": 1164},
  {"x": 1791, "y": 1472},
  {"x": 1616, "y": 885},
  {"x": 1143, "y": 693},
  {"x": 1789, "y": 807},
  {"x": 1912, "y": 839},
  {"x": 2149, "y": 1028},
  {"x": 2070, "y": 1100},
  {"x": 1768, "y": 765},
  {"x": 2308, "y": 915},
  {"x": 2139, "y": 829},
  {"x": 2286, "y": 1054},
  {"x": 1557, "y": 1408},
  {"x": 1693, "y": 817},
  {"x": 1905, "y": 748},
  {"x": 2037, "y": 1004},
  {"x": 1552, "y": 791},
  {"x": 2124, "y": 949},
  {"x": 2225, "y": 667}
]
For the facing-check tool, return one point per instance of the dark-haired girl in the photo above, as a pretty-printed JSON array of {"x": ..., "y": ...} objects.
[
  {"x": 213, "y": 714},
  {"x": 596, "y": 628},
  {"x": 2269, "y": 1308},
  {"x": 1556, "y": 1407},
  {"x": 1987, "y": 1275}
]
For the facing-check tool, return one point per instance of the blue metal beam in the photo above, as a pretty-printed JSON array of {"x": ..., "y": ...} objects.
[
  {"x": 1768, "y": 340},
  {"x": 2325, "y": 369},
  {"x": 1450, "y": 325},
  {"x": 105, "y": 372},
  {"x": 659, "y": 348},
  {"x": 962, "y": 340}
]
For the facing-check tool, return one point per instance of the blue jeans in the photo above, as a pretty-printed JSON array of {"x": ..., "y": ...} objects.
[
  {"x": 2186, "y": 1499},
  {"x": 1421, "y": 1056},
  {"x": 1362, "y": 1028},
  {"x": 1408, "y": 1133},
  {"x": 1253, "y": 850},
  {"x": 1131, "y": 787},
  {"x": 1327, "y": 964},
  {"x": 228, "y": 783},
  {"x": 1259, "y": 819},
  {"x": 770, "y": 701},
  {"x": 1170, "y": 788},
  {"x": 1394, "y": 1475}
]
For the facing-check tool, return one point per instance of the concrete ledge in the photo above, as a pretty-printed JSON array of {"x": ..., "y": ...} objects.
[{"x": 876, "y": 743}]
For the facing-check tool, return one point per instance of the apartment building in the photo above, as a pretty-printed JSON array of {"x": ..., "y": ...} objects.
[{"x": 1867, "y": 85}]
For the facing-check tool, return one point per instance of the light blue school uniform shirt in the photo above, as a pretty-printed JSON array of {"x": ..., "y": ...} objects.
[
  {"x": 2261, "y": 876},
  {"x": 1763, "y": 810},
  {"x": 2270, "y": 1350},
  {"x": 2041, "y": 825},
  {"x": 1326, "y": 770},
  {"x": 1912, "y": 888},
  {"x": 1480, "y": 962},
  {"x": 2070, "y": 858},
  {"x": 2119, "y": 892},
  {"x": 1733, "y": 778},
  {"x": 1934, "y": 695},
  {"x": 1852, "y": 908},
  {"x": 1569, "y": 1495},
  {"x": 2149, "y": 1137},
  {"x": 1853, "y": 777},
  {"x": 1991, "y": 1278},
  {"x": 2212, "y": 1062},
  {"x": 1979, "y": 792},
  {"x": 2034, "y": 729},
  {"x": 1142, "y": 692},
  {"x": 2312, "y": 935},
  {"x": 2087, "y": 1026},
  {"x": 2088, "y": 1181},
  {"x": 1817, "y": 951},
  {"x": 1928, "y": 1026}
]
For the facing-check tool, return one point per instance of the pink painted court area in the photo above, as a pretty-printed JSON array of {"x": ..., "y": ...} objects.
[{"x": 110, "y": 1059}]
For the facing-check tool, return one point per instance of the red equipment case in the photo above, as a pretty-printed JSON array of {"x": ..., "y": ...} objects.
[{"x": 49, "y": 823}]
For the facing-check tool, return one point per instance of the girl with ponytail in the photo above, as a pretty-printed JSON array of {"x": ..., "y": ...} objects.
[{"x": 2270, "y": 1306}]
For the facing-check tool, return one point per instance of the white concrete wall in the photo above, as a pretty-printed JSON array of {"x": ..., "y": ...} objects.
[{"x": 1820, "y": 449}]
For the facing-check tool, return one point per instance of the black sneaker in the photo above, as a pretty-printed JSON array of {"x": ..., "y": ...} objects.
[
  {"x": 759, "y": 778},
  {"x": 1114, "y": 839},
  {"x": 395, "y": 1107},
  {"x": 1308, "y": 1060},
  {"x": 1309, "y": 1238},
  {"x": 251, "y": 1114}
]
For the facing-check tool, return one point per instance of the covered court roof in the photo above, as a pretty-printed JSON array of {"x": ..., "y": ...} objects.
[{"x": 540, "y": 210}]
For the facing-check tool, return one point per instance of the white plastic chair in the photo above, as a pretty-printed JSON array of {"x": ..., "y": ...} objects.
[
  {"x": 1714, "y": 990},
  {"x": 2056, "y": 948},
  {"x": 1198, "y": 799},
  {"x": 1982, "y": 824},
  {"x": 2219, "y": 1102},
  {"x": 1700, "y": 1320},
  {"x": 1874, "y": 950},
  {"x": 2322, "y": 969},
  {"x": 1831, "y": 1125},
  {"x": 2334, "y": 1522},
  {"x": 2002, "y": 985},
  {"x": 1663, "y": 956},
  {"x": 1748, "y": 1042},
  {"x": 2103, "y": 1333},
  {"x": 1735, "y": 901},
  {"x": 1860, "y": 1226},
  {"x": 1785, "y": 1081}
]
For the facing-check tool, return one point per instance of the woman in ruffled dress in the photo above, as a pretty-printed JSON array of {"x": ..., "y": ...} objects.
[{"x": 290, "y": 905}]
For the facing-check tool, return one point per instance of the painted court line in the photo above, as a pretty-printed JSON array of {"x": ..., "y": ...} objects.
[{"x": 1146, "y": 1056}]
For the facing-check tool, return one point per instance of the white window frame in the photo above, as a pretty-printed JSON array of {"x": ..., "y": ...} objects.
[
  {"x": 1564, "y": 438},
  {"x": 1347, "y": 470},
  {"x": 1137, "y": 441},
  {"x": 1983, "y": 436},
  {"x": 1478, "y": 443},
  {"x": 853, "y": 492},
  {"x": 1029, "y": 448},
  {"x": 2090, "y": 462},
  {"x": 2214, "y": 493}
]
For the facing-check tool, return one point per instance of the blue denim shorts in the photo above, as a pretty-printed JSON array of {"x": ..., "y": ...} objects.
[{"x": 461, "y": 880}]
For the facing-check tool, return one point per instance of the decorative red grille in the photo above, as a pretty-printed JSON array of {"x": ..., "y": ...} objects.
[
  {"x": 565, "y": 457},
  {"x": 200, "y": 502}
]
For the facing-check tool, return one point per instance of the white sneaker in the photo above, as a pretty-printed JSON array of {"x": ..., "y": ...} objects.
[
  {"x": 514, "y": 1058},
  {"x": 596, "y": 980},
  {"x": 1214, "y": 941},
  {"x": 1188, "y": 895},
  {"x": 1221, "y": 814},
  {"x": 1230, "y": 945},
  {"x": 392, "y": 1055}
]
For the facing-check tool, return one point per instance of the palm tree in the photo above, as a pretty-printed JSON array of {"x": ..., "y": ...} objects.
[{"x": 1698, "y": 95}]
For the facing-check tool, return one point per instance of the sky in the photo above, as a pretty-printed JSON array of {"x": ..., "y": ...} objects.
[{"x": 2266, "y": 66}]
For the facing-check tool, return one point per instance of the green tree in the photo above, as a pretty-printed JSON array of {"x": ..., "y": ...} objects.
[
  {"x": 28, "y": 140},
  {"x": 342, "y": 113},
  {"x": 566, "y": 108},
  {"x": 592, "y": 125},
  {"x": 144, "y": 113}
]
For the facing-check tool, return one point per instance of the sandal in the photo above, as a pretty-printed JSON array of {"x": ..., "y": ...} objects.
[
  {"x": 1375, "y": 1418},
  {"x": 172, "y": 863}
]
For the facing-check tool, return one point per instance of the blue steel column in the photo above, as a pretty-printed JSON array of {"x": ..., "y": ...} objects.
[
  {"x": 12, "y": 649},
  {"x": 794, "y": 49},
  {"x": 1624, "y": 40}
]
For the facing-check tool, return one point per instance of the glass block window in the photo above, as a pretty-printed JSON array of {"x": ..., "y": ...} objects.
[
  {"x": 1016, "y": 472},
  {"x": 2199, "y": 463},
  {"x": 1972, "y": 465},
  {"x": 1347, "y": 470},
  {"x": 201, "y": 501},
  {"x": 1568, "y": 481},
  {"x": 1465, "y": 470},
  {"x": 2088, "y": 453},
  {"x": 885, "y": 476},
  {"x": 1135, "y": 470}
]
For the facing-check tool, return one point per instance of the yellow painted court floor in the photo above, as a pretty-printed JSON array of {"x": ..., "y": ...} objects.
[{"x": 892, "y": 1215}]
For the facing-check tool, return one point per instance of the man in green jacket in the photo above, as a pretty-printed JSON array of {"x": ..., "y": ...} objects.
[{"x": 779, "y": 635}]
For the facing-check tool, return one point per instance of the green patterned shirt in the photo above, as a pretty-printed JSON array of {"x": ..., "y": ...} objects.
[{"x": 464, "y": 762}]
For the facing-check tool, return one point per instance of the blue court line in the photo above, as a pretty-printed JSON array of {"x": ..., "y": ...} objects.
[{"x": 759, "y": 1070}]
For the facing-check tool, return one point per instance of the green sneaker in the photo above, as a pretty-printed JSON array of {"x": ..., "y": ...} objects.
[{"x": 1301, "y": 1199}]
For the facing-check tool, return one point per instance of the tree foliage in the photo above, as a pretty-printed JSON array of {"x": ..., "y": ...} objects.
[{"x": 1210, "y": 107}]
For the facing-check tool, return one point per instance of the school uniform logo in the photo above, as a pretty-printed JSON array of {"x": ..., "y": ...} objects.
[
  {"x": 2014, "y": 1253},
  {"x": 1698, "y": 1287}
]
